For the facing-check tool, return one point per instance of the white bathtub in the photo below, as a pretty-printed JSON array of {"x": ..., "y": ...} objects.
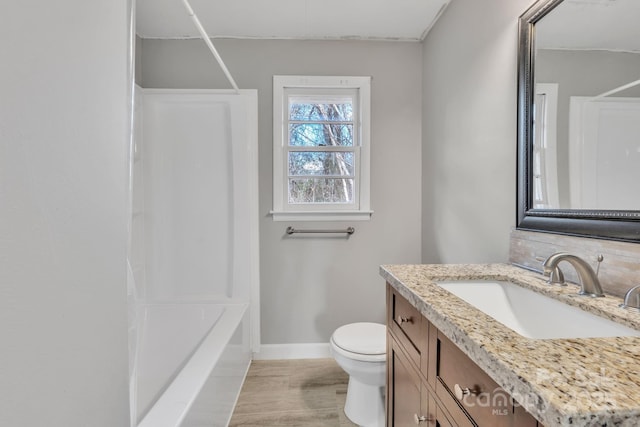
[
  {"x": 205, "y": 353},
  {"x": 193, "y": 257}
]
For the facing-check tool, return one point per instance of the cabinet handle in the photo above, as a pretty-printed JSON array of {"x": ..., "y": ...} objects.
[
  {"x": 461, "y": 392},
  {"x": 421, "y": 418},
  {"x": 402, "y": 320}
]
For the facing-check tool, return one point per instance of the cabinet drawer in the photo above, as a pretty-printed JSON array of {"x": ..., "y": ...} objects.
[
  {"x": 457, "y": 414},
  {"x": 522, "y": 418},
  {"x": 406, "y": 318},
  {"x": 470, "y": 387}
]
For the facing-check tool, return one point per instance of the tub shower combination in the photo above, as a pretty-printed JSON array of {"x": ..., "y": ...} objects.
[{"x": 193, "y": 261}]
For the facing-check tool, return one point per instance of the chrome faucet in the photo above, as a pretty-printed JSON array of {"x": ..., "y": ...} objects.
[{"x": 589, "y": 283}]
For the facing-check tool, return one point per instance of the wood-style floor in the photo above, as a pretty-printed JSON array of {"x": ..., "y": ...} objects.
[{"x": 301, "y": 393}]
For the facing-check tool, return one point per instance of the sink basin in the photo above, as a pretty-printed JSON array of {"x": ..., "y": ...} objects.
[{"x": 531, "y": 314}]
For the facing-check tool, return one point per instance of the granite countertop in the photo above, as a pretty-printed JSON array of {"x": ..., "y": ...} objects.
[{"x": 562, "y": 382}]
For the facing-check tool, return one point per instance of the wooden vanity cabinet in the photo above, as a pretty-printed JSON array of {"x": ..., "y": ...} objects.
[
  {"x": 425, "y": 370},
  {"x": 409, "y": 400}
]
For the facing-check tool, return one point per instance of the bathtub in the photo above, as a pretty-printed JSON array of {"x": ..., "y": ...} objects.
[
  {"x": 193, "y": 267},
  {"x": 205, "y": 355}
]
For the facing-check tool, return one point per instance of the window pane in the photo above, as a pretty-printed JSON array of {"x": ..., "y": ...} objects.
[
  {"x": 314, "y": 111},
  {"x": 321, "y": 190},
  {"x": 320, "y": 163},
  {"x": 320, "y": 135}
]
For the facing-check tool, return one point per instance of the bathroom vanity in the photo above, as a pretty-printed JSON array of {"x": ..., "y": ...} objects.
[{"x": 450, "y": 364}]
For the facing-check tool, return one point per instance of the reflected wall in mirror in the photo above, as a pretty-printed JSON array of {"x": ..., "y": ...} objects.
[{"x": 579, "y": 118}]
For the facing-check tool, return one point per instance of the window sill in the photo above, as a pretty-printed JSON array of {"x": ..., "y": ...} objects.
[{"x": 321, "y": 215}]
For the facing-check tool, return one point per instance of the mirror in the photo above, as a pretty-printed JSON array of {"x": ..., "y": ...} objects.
[{"x": 579, "y": 118}]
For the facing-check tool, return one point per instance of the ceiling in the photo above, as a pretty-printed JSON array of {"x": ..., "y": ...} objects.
[{"x": 405, "y": 20}]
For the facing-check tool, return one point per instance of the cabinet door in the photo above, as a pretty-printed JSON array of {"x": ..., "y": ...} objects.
[
  {"x": 437, "y": 417},
  {"x": 403, "y": 388}
]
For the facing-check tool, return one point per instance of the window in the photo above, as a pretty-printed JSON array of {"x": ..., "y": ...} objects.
[
  {"x": 544, "y": 163},
  {"x": 321, "y": 148}
]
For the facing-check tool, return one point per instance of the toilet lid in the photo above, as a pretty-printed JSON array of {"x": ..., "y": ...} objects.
[{"x": 362, "y": 338}]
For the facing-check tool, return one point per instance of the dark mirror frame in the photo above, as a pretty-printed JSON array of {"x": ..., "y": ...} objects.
[{"x": 602, "y": 224}]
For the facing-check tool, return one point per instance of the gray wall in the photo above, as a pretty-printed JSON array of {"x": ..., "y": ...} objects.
[
  {"x": 63, "y": 170},
  {"x": 582, "y": 73},
  {"x": 469, "y": 132},
  {"x": 311, "y": 285}
]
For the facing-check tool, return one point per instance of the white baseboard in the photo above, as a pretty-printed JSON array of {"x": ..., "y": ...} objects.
[{"x": 293, "y": 351}]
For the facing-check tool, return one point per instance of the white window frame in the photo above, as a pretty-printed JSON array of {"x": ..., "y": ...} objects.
[{"x": 283, "y": 210}]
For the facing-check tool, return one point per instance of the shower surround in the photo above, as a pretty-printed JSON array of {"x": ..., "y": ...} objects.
[{"x": 193, "y": 254}]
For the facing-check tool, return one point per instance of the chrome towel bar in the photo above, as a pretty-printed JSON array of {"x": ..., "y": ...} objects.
[{"x": 348, "y": 230}]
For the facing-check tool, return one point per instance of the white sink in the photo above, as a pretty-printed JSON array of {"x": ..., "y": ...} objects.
[{"x": 531, "y": 314}]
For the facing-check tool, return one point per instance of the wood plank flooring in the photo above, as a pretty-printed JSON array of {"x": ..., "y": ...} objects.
[{"x": 300, "y": 393}]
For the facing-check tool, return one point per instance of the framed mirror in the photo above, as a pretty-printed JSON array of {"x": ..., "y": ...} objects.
[{"x": 579, "y": 119}]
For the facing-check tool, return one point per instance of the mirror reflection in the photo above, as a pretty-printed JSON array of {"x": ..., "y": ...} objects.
[{"x": 586, "y": 113}]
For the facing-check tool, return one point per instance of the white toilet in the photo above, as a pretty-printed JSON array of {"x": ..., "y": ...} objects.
[{"x": 360, "y": 349}]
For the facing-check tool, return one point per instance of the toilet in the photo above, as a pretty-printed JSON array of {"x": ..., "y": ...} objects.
[{"x": 360, "y": 349}]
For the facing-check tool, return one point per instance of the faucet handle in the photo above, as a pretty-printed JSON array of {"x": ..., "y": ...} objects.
[
  {"x": 632, "y": 298},
  {"x": 599, "y": 259},
  {"x": 556, "y": 277}
]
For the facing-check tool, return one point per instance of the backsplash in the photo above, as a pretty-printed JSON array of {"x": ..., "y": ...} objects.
[{"x": 619, "y": 270}]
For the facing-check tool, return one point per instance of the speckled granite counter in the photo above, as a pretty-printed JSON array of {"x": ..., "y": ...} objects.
[{"x": 562, "y": 382}]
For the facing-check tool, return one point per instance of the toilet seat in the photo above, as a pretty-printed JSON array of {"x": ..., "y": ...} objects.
[{"x": 362, "y": 341}]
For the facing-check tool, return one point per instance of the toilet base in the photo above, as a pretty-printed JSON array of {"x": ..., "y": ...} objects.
[{"x": 365, "y": 404}]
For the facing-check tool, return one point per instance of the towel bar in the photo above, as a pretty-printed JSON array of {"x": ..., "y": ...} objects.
[{"x": 348, "y": 230}]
